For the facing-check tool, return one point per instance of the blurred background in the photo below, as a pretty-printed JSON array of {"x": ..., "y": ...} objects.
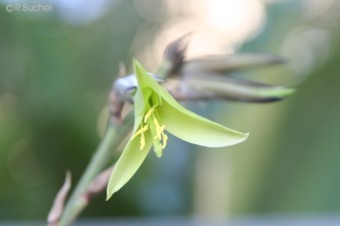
[{"x": 57, "y": 65}]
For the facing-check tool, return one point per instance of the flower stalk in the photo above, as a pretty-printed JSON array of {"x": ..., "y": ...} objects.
[{"x": 114, "y": 135}]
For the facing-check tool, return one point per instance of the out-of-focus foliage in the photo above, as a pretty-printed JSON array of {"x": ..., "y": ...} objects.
[
  {"x": 55, "y": 79},
  {"x": 55, "y": 75}
]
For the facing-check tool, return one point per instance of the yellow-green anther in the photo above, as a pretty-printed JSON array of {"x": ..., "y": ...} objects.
[
  {"x": 159, "y": 129},
  {"x": 147, "y": 115},
  {"x": 142, "y": 141},
  {"x": 141, "y": 132},
  {"x": 165, "y": 140}
]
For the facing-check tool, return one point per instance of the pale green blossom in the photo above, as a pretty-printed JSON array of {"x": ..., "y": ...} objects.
[{"x": 156, "y": 111}]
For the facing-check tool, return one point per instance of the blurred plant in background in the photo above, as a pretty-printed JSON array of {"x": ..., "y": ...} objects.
[{"x": 56, "y": 69}]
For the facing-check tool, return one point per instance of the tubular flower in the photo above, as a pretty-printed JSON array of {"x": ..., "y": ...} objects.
[{"x": 156, "y": 111}]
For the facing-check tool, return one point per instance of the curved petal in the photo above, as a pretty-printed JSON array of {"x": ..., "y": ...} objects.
[
  {"x": 128, "y": 164},
  {"x": 143, "y": 78},
  {"x": 140, "y": 102},
  {"x": 147, "y": 89},
  {"x": 193, "y": 128}
]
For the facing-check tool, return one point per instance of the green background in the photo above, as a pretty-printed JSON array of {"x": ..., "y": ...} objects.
[{"x": 55, "y": 77}]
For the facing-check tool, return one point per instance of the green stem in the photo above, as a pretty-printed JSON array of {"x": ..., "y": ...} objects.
[{"x": 111, "y": 140}]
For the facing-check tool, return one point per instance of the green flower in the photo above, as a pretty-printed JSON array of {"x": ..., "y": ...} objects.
[{"x": 156, "y": 111}]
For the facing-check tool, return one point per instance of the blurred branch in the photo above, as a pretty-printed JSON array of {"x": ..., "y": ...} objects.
[
  {"x": 98, "y": 184},
  {"x": 214, "y": 87},
  {"x": 205, "y": 78},
  {"x": 224, "y": 64},
  {"x": 58, "y": 204},
  {"x": 113, "y": 137},
  {"x": 95, "y": 188}
]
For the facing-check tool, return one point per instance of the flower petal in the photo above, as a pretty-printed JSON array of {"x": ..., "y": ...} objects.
[
  {"x": 185, "y": 124},
  {"x": 140, "y": 101},
  {"x": 147, "y": 90},
  {"x": 128, "y": 164},
  {"x": 144, "y": 79},
  {"x": 193, "y": 128}
]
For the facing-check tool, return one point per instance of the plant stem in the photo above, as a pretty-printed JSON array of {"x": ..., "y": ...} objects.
[{"x": 111, "y": 140}]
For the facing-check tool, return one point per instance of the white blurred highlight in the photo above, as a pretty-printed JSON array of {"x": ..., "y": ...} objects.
[
  {"x": 217, "y": 26},
  {"x": 307, "y": 48}
]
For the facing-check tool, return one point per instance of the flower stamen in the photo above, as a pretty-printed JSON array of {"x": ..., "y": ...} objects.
[
  {"x": 142, "y": 141},
  {"x": 157, "y": 131},
  {"x": 160, "y": 137},
  {"x": 164, "y": 139},
  {"x": 148, "y": 114},
  {"x": 141, "y": 132}
]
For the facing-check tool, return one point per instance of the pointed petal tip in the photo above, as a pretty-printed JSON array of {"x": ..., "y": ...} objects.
[
  {"x": 277, "y": 94},
  {"x": 109, "y": 195},
  {"x": 290, "y": 91},
  {"x": 283, "y": 92},
  {"x": 273, "y": 93},
  {"x": 246, "y": 135},
  {"x": 137, "y": 65},
  {"x": 243, "y": 137},
  {"x": 109, "y": 192}
]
